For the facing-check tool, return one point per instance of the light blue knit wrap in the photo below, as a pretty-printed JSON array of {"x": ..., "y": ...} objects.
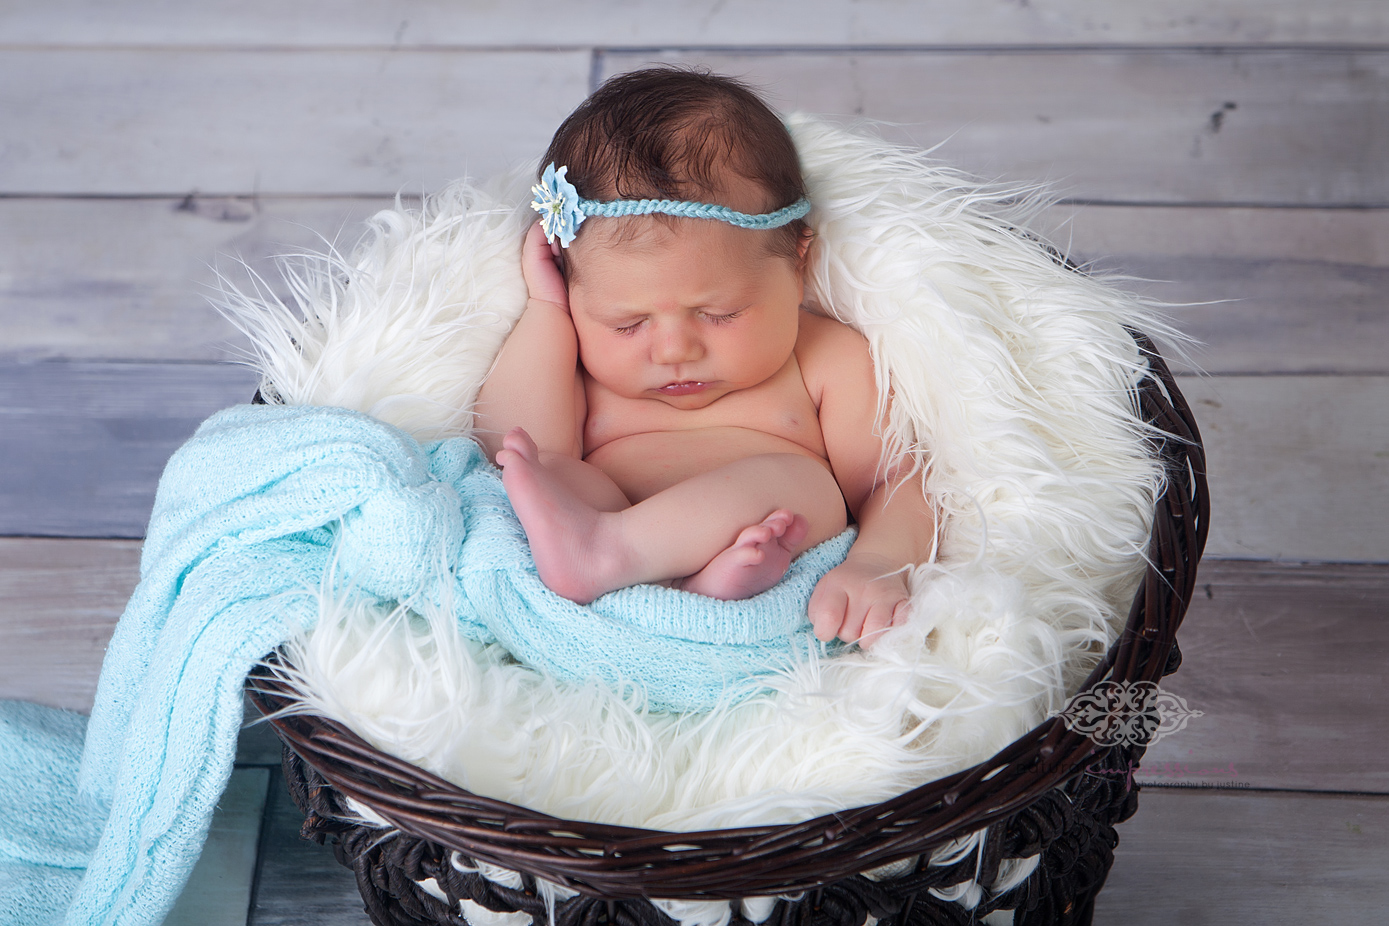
[{"x": 251, "y": 514}]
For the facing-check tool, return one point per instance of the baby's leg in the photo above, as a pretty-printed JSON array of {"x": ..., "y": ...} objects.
[
  {"x": 582, "y": 552},
  {"x": 589, "y": 483}
]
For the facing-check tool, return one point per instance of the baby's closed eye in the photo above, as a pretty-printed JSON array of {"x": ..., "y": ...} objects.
[{"x": 722, "y": 319}]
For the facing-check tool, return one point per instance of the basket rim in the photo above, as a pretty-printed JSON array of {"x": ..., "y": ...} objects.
[{"x": 608, "y": 860}]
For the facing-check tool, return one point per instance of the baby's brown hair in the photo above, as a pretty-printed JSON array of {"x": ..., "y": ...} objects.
[{"x": 674, "y": 133}]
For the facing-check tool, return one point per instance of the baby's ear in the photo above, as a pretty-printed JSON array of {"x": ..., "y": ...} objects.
[{"x": 803, "y": 248}]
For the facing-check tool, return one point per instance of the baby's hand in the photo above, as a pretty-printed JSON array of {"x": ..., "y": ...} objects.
[
  {"x": 543, "y": 279},
  {"x": 858, "y": 600}
]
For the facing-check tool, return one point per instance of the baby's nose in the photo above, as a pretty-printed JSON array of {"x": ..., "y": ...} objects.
[{"x": 676, "y": 344}]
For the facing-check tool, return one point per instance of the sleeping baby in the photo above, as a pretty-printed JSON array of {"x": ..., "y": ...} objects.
[{"x": 664, "y": 410}]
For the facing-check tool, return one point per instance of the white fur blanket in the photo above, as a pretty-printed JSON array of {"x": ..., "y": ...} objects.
[{"x": 1012, "y": 380}]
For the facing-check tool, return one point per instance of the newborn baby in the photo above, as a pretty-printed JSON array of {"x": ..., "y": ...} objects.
[{"x": 665, "y": 410}]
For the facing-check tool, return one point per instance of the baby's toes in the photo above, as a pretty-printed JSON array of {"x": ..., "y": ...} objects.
[
  {"x": 754, "y": 536},
  {"x": 779, "y": 521},
  {"x": 521, "y": 444},
  {"x": 796, "y": 532}
]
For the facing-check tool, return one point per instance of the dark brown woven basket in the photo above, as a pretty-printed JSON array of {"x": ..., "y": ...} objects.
[{"x": 1051, "y": 793}]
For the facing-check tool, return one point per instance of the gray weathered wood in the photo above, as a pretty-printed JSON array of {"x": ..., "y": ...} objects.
[
  {"x": 59, "y": 601},
  {"x": 258, "y": 744},
  {"x": 218, "y": 892},
  {"x": 1283, "y": 707},
  {"x": 1286, "y": 664},
  {"x": 1284, "y": 290},
  {"x": 269, "y": 121},
  {"x": 694, "y": 22},
  {"x": 1269, "y": 127},
  {"x": 300, "y": 883},
  {"x": 1202, "y": 858},
  {"x": 129, "y": 279},
  {"x": 1299, "y": 465},
  {"x": 1309, "y": 127},
  {"x": 1290, "y": 290},
  {"x": 82, "y": 444}
]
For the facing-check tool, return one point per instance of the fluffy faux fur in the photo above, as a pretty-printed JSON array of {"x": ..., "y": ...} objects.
[{"x": 1012, "y": 384}]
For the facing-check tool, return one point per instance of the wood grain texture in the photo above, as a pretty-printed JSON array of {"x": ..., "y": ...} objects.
[
  {"x": 59, "y": 602},
  {"x": 1283, "y": 660},
  {"x": 300, "y": 883},
  {"x": 1298, "y": 465},
  {"x": 1286, "y": 663},
  {"x": 129, "y": 279},
  {"x": 1270, "y": 127},
  {"x": 1295, "y": 127},
  {"x": 82, "y": 444},
  {"x": 147, "y": 121},
  {"x": 1285, "y": 290},
  {"x": 1262, "y": 290},
  {"x": 218, "y": 892},
  {"x": 692, "y": 22},
  {"x": 1204, "y": 858}
]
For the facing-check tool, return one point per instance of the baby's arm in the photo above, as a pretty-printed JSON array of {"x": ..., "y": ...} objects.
[
  {"x": 535, "y": 382},
  {"x": 860, "y": 598}
]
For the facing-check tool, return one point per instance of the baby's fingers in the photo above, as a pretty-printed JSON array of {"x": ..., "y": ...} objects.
[
  {"x": 881, "y": 617},
  {"x": 543, "y": 279},
  {"x": 827, "y": 606}
]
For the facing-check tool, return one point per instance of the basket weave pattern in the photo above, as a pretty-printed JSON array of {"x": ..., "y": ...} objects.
[{"x": 1037, "y": 796}]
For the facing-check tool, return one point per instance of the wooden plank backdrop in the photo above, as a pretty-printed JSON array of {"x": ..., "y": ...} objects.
[
  {"x": 1209, "y": 858},
  {"x": 82, "y": 444},
  {"x": 160, "y": 121},
  {"x": 1270, "y": 127},
  {"x": 1284, "y": 663},
  {"x": 1151, "y": 125},
  {"x": 221, "y": 883},
  {"x": 1263, "y": 290},
  {"x": 1283, "y": 707},
  {"x": 1266, "y": 290},
  {"x": 1230, "y": 154},
  {"x": 607, "y": 23},
  {"x": 129, "y": 279}
]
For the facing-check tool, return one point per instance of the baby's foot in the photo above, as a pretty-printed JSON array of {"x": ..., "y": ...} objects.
[
  {"x": 755, "y": 562},
  {"x": 563, "y": 531}
]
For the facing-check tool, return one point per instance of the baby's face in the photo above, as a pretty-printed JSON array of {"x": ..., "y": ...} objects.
[{"x": 684, "y": 314}]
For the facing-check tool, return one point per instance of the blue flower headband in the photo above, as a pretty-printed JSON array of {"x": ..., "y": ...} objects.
[{"x": 562, "y": 210}]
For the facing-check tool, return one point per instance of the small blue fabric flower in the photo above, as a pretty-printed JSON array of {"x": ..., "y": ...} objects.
[{"x": 557, "y": 201}]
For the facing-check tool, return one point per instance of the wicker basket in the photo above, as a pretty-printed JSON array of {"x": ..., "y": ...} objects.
[{"x": 1039, "y": 796}]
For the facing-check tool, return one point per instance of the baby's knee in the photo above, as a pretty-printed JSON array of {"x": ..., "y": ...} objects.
[{"x": 810, "y": 490}]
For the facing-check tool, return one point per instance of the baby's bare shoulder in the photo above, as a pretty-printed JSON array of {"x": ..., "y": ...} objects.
[{"x": 831, "y": 354}]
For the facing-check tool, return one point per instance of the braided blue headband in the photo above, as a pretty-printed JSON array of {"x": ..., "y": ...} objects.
[{"x": 562, "y": 209}]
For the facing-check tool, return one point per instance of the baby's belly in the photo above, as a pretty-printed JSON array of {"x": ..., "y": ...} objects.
[{"x": 644, "y": 464}]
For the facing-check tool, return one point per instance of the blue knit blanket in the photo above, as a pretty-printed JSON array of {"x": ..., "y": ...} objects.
[{"x": 252, "y": 514}]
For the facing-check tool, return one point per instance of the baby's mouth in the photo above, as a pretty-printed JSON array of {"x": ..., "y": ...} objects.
[{"x": 685, "y": 388}]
